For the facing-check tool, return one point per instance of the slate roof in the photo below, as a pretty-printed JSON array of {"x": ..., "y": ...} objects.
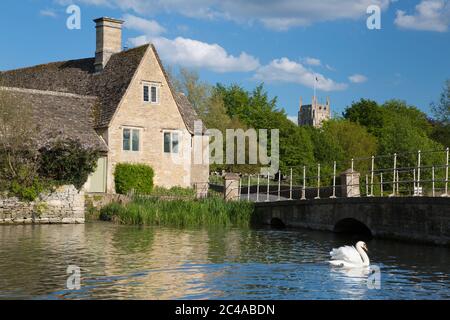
[
  {"x": 66, "y": 115},
  {"x": 79, "y": 77}
]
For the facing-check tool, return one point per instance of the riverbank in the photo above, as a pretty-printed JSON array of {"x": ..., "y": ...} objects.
[{"x": 212, "y": 211}]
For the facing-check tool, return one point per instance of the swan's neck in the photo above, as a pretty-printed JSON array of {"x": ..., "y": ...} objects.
[{"x": 364, "y": 256}]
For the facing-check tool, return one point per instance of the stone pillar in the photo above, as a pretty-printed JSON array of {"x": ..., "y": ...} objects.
[
  {"x": 350, "y": 184},
  {"x": 231, "y": 187}
]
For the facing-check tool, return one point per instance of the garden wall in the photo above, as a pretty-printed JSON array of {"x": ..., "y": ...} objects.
[{"x": 64, "y": 205}]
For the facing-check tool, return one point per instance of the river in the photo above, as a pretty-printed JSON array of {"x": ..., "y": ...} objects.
[{"x": 129, "y": 262}]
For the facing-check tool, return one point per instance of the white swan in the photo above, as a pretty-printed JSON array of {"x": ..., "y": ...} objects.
[{"x": 350, "y": 257}]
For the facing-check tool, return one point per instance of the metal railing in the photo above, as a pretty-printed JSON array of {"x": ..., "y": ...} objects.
[{"x": 423, "y": 173}]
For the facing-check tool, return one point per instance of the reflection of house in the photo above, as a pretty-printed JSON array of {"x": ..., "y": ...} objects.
[
  {"x": 126, "y": 106},
  {"x": 314, "y": 114}
]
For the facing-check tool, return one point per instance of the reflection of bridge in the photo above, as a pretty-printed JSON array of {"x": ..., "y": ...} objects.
[{"x": 419, "y": 219}]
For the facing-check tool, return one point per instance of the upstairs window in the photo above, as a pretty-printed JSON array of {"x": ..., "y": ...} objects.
[
  {"x": 171, "y": 142},
  {"x": 131, "y": 139},
  {"x": 151, "y": 93}
]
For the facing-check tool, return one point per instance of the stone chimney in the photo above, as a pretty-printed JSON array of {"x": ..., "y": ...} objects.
[{"x": 109, "y": 40}]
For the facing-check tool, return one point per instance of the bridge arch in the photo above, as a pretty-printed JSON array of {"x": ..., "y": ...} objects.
[
  {"x": 277, "y": 223},
  {"x": 352, "y": 226}
]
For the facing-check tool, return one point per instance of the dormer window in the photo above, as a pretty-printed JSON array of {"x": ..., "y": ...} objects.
[{"x": 151, "y": 92}]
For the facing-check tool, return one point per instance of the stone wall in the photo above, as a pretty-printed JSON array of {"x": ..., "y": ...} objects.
[{"x": 64, "y": 205}]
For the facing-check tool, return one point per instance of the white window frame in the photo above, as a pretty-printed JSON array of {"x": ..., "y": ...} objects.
[
  {"x": 180, "y": 141},
  {"x": 139, "y": 130},
  {"x": 151, "y": 85}
]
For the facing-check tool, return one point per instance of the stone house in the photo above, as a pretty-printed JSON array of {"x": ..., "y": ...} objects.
[{"x": 120, "y": 102}]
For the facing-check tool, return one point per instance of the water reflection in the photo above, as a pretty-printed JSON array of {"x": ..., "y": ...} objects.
[{"x": 160, "y": 263}]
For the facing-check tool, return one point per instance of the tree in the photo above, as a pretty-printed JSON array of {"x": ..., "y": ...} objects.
[
  {"x": 354, "y": 140},
  {"x": 393, "y": 108},
  {"x": 441, "y": 110},
  {"x": 367, "y": 113},
  {"x": 441, "y": 113},
  {"x": 188, "y": 82}
]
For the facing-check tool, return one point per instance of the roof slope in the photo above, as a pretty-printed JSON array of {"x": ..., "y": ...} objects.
[
  {"x": 66, "y": 115},
  {"x": 79, "y": 77}
]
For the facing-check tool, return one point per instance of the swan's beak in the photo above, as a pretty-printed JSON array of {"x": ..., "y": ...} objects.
[{"x": 367, "y": 249}]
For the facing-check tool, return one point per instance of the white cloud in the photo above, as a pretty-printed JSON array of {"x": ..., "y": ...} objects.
[
  {"x": 189, "y": 52},
  {"x": 149, "y": 27},
  {"x": 285, "y": 70},
  {"x": 357, "y": 78},
  {"x": 197, "y": 54},
  {"x": 430, "y": 15},
  {"x": 312, "y": 61},
  {"x": 330, "y": 67},
  {"x": 48, "y": 13},
  {"x": 276, "y": 15}
]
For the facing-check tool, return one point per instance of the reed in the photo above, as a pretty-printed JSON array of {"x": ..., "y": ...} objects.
[{"x": 180, "y": 213}]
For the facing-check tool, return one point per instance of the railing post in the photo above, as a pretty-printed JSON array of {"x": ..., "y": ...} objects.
[
  {"x": 268, "y": 186},
  {"x": 248, "y": 187},
  {"x": 279, "y": 185},
  {"x": 432, "y": 181},
  {"x": 414, "y": 182},
  {"x": 381, "y": 184},
  {"x": 290, "y": 187},
  {"x": 257, "y": 189},
  {"x": 446, "y": 174},
  {"x": 334, "y": 181},
  {"x": 394, "y": 175},
  {"x": 352, "y": 170},
  {"x": 240, "y": 187},
  {"x": 367, "y": 185},
  {"x": 371, "y": 176},
  {"x": 304, "y": 184},
  {"x": 318, "y": 182},
  {"x": 419, "y": 193}
]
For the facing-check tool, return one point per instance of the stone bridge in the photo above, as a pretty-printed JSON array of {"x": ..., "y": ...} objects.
[{"x": 418, "y": 219}]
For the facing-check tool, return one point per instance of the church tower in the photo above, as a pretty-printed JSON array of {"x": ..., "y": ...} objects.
[{"x": 314, "y": 114}]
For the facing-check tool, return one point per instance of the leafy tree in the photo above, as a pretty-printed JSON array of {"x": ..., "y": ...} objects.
[
  {"x": 355, "y": 142},
  {"x": 441, "y": 113},
  {"x": 367, "y": 113},
  {"x": 197, "y": 92},
  {"x": 66, "y": 161},
  {"x": 441, "y": 110},
  {"x": 410, "y": 114}
]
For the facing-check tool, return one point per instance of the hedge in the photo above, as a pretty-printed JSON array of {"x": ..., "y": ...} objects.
[{"x": 133, "y": 177}]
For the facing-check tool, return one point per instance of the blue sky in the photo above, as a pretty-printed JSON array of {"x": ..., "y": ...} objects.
[{"x": 285, "y": 43}]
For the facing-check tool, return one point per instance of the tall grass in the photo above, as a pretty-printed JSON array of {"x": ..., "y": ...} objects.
[{"x": 193, "y": 213}]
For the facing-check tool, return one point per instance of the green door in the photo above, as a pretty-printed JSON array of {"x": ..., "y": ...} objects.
[{"x": 98, "y": 178}]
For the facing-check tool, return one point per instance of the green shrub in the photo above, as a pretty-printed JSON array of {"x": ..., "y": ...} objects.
[
  {"x": 27, "y": 193},
  {"x": 136, "y": 177},
  {"x": 67, "y": 162}
]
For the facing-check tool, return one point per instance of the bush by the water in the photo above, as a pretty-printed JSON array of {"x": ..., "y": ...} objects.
[
  {"x": 133, "y": 177},
  {"x": 179, "y": 213}
]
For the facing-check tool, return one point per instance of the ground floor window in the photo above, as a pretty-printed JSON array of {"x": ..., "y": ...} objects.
[
  {"x": 131, "y": 139},
  {"x": 171, "y": 142}
]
